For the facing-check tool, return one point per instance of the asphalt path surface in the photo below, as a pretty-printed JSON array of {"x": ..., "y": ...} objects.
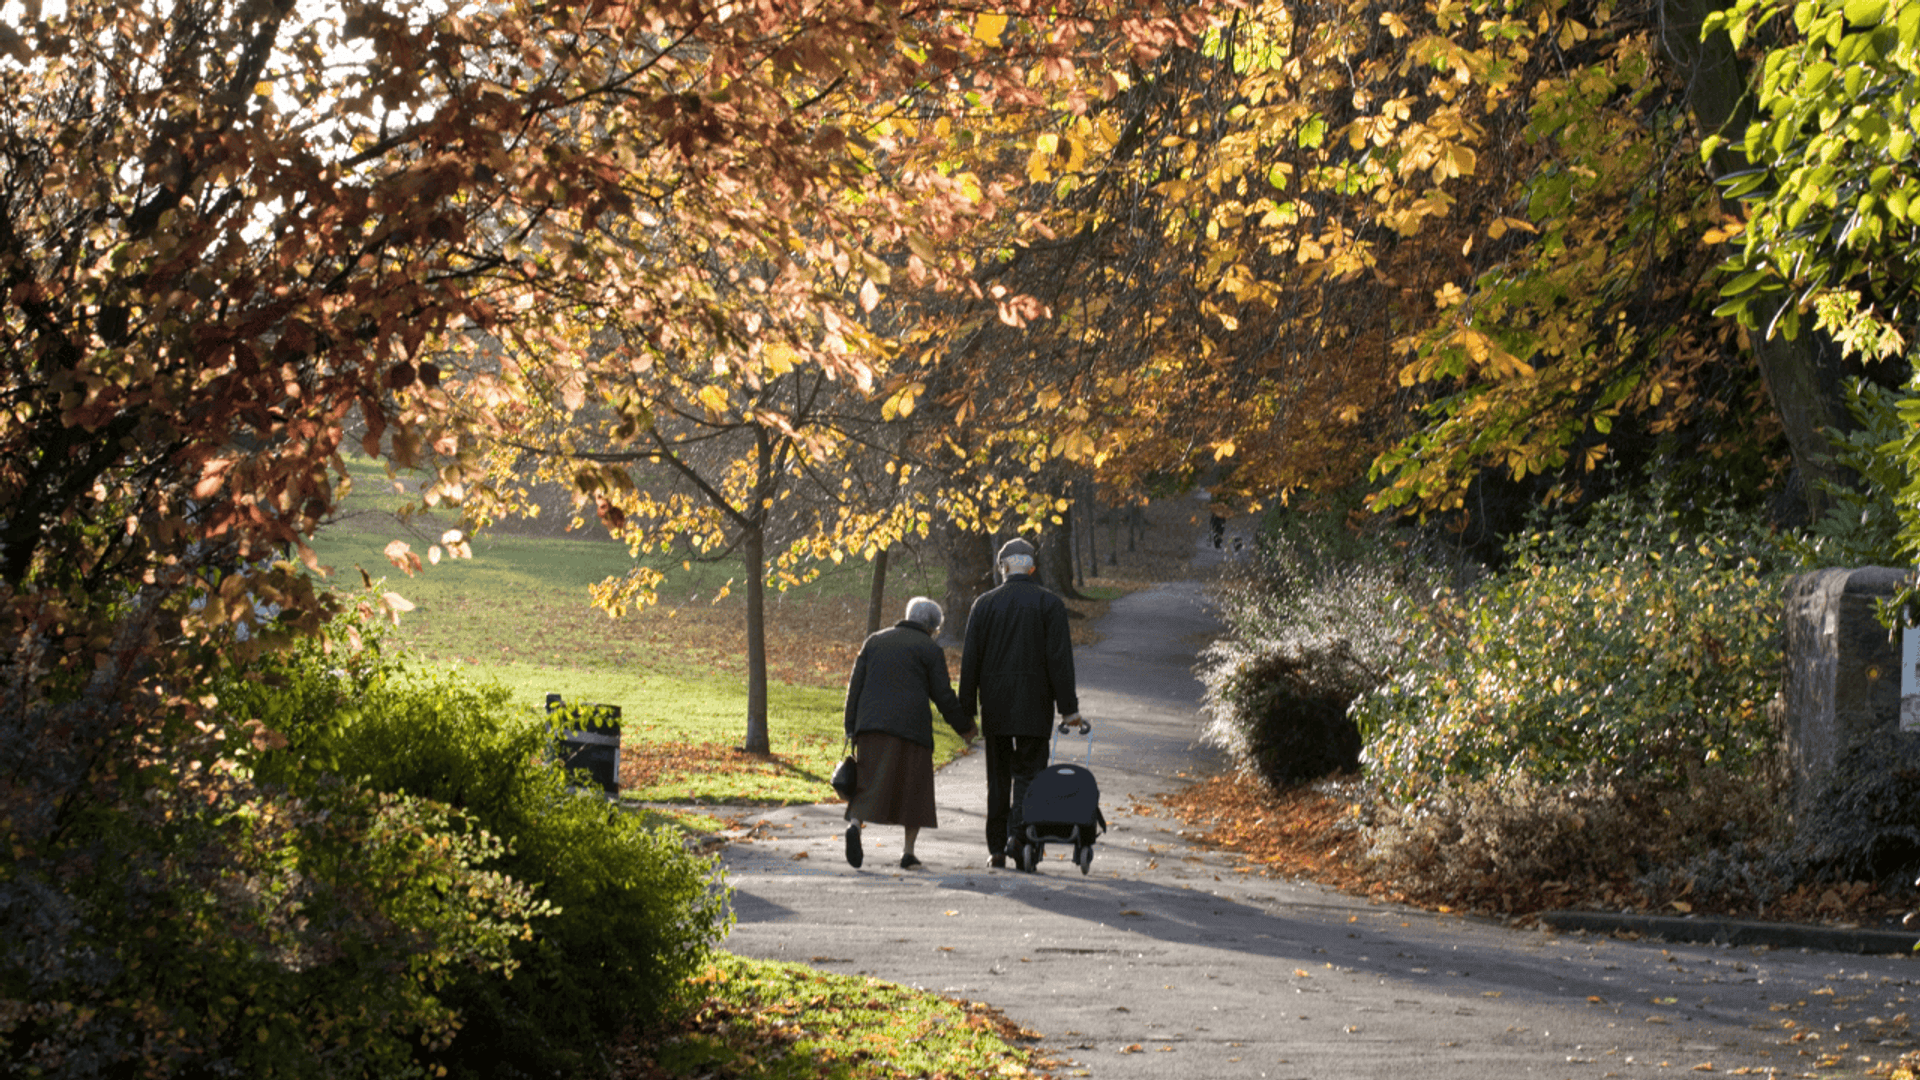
[{"x": 1165, "y": 962}]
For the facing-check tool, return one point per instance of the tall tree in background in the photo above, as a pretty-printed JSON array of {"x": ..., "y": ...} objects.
[{"x": 727, "y": 309}]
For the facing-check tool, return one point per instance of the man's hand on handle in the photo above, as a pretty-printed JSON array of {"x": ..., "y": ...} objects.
[{"x": 1069, "y": 723}]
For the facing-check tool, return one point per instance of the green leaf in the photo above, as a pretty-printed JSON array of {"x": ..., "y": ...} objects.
[
  {"x": 1866, "y": 12},
  {"x": 1743, "y": 283}
]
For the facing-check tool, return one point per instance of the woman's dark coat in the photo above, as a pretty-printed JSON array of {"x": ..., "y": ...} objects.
[{"x": 899, "y": 670}]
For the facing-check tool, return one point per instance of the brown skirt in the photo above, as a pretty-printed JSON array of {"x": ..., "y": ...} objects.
[{"x": 896, "y": 782}]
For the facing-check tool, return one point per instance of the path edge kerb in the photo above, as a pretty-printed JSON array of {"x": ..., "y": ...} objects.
[{"x": 1708, "y": 930}]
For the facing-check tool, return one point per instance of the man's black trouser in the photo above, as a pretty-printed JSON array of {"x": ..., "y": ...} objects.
[{"x": 1012, "y": 763}]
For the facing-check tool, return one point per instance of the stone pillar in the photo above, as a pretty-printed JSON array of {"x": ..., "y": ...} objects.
[{"x": 1842, "y": 679}]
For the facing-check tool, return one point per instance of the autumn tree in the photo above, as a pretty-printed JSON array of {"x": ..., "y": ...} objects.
[
  {"x": 729, "y": 327},
  {"x": 1433, "y": 241},
  {"x": 230, "y": 230}
]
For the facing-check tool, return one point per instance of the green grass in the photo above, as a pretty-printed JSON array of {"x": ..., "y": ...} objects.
[
  {"x": 518, "y": 614},
  {"x": 763, "y": 1020}
]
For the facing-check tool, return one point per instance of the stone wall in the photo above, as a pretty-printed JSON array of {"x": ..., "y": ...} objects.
[{"x": 1843, "y": 669}]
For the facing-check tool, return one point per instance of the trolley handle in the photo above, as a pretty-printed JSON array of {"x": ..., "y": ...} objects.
[{"x": 1085, "y": 729}]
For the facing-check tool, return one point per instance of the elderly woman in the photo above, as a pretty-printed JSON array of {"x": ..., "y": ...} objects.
[{"x": 898, "y": 672}]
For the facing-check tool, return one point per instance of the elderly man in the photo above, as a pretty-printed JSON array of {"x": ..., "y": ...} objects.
[{"x": 1017, "y": 667}]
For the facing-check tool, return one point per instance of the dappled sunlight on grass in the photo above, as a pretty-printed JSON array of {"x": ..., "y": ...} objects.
[{"x": 763, "y": 1020}]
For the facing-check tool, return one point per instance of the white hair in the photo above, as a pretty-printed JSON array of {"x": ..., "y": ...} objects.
[
  {"x": 925, "y": 612},
  {"x": 1016, "y": 564}
]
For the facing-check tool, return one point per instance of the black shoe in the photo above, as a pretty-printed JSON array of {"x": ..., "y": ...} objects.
[
  {"x": 854, "y": 855},
  {"x": 998, "y": 862},
  {"x": 908, "y": 862}
]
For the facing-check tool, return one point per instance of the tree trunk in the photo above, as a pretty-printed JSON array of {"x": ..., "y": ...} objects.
[
  {"x": 969, "y": 574},
  {"x": 1805, "y": 376},
  {"x": 1055, "y": 561},
  {"x": 877, "y": 593},
  {"x": 754, "y": 552},
  {"x": 1092, "y": 565}
]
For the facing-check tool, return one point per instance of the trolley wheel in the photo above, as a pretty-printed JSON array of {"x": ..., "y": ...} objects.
[
  {"x": 1084, "y": 856},
  {"x": 1031, "y": 860}
]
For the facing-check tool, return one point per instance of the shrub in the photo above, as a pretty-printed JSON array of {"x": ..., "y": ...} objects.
[
  {"x": 1861, "y": 526},
  {"x": 206, "y": 924},
  {"x": 1628, "y": 644},
  {"x": 1518, "y": 843},
  {"x": 633, "y": 913},
  {"x": 1863, "y": 823},
  {"x": 1313, "y": 620}
]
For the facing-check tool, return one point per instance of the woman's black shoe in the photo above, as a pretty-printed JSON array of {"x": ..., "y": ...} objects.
[
  {"x": 854, "y": 855},
  {"x": 908, "y": 862}
]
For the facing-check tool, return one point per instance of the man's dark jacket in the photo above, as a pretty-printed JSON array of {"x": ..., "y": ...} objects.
[
  {"x": 899, "y": 670},
  {"x": 1018, "y": 663}
]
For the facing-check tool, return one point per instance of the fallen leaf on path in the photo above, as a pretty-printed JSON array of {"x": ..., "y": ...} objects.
[{"x": 1133, "y": 1049}]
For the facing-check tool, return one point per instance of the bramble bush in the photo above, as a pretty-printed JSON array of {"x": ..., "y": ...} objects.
[
  {"x": 1632, "y": 644},
  {"x": 631, "y": 914}
]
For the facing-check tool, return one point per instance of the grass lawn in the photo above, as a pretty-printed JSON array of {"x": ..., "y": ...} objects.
[{"x": 763, "y": 1020}]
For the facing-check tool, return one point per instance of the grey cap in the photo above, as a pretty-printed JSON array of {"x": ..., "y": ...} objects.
[{"x": 1015, "y": 546}]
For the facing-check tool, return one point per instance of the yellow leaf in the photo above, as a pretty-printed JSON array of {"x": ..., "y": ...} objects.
[
  {"x": 714, "y": 398},
  {"x": 988, "y": 26}
]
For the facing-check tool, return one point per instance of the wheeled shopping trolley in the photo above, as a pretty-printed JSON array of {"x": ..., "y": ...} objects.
[{"x": 1062, "y": 806}]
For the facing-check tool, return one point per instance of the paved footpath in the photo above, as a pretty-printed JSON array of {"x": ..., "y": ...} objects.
[{"x": 1165, "y": 963}]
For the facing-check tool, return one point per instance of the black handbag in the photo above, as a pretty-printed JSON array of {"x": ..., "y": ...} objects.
[{"x": 846, "y": 777}]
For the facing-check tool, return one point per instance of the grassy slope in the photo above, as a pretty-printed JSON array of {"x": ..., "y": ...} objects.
[{"x": 518, "y": 613}]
